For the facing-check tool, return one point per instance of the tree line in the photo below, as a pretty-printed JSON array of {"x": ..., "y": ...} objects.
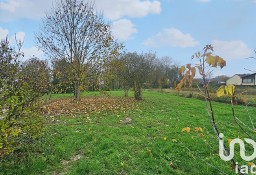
[
  {"x": 127, "y": 71},
  {"x": 85, "y": 55}
]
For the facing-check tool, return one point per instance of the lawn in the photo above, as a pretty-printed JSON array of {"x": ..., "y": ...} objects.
[
  {"x": 143, "y": 138},
  {"x": 245, "y": 95}
]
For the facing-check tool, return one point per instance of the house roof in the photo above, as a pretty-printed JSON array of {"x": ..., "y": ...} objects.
[{"x": 245, "y": 75}]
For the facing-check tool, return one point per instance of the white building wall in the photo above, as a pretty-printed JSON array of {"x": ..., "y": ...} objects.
[{"x": 235, "y": 80}]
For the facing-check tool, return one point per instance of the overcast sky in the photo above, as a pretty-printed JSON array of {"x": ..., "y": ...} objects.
[{"x": 175, "y": 28}]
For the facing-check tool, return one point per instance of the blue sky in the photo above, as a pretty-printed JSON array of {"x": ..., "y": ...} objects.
[{"x": 174, "y": 28}]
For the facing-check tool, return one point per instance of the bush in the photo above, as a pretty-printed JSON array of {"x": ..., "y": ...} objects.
[{"x": 19, "y": 115}]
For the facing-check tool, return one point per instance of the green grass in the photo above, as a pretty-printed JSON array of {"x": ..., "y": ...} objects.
[
  {"x": 144, "y": 146},
  {"x": 245, "y": 95}
]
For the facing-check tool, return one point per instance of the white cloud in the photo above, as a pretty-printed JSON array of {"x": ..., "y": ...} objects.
[
  {"x": 112, "y": 9},
  {"x": 116, "y": 9},
  {"x": 171, "y": 37},
  {"x": 3, "y": 33},
  {"x": 19, "y": 37},
  {"x": 123, "y": 29},
  {"x": 16, "y": 9},
  {"x": 235, "y": 49},
  {"x": 9, "y": 6},
  {"x": 32, "y": 52}
]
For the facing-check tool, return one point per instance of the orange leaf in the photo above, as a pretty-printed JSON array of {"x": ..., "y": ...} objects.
[
  {"x": 186, "y": 129},
  {"x": 250, "y": 163},
  {"x": 198, "y": 129}
]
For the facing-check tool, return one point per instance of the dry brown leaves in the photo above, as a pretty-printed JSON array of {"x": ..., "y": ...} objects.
[{"x": 88, "y": 105}]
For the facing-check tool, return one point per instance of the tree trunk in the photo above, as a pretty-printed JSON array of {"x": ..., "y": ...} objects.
[
  {"x": 137, "y": 92},
  {"x": 74, "y": 88},
  {"x": 77, "y": 90},
  {"x": 126, "y": 89}
]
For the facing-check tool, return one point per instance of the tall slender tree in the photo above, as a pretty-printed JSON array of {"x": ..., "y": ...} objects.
[{"x": 72, "y": 30}]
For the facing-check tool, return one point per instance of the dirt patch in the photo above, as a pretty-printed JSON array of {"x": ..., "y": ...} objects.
[
  {"x": 65, "y": 164},
  {"x": 88, "y": 105},
  {"x": 127, "y": 120}
]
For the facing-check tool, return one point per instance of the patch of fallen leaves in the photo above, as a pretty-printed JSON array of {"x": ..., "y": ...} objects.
[{"x": 88, "y": 105}]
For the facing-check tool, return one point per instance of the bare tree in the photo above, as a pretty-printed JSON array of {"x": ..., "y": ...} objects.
[{"x": 72, "y": 30}]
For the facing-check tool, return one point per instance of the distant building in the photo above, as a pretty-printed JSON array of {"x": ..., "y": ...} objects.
[{"x": 242, "y": 80}]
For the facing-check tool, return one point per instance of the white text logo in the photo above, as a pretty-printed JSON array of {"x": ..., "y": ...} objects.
[{"x": 232, "y": 149}]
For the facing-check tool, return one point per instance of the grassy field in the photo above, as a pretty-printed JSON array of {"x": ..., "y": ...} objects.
[
  {"x": 145, "y": 138},
  {"x": 245, "y": 95}
]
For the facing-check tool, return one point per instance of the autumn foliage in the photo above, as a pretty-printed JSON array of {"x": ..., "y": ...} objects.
[
  {"x": 207, "y": 61},
  {"x": 19, "y": 119},
  {"x": 205, "y": 58},
  {"x": 88, "y": 105}
]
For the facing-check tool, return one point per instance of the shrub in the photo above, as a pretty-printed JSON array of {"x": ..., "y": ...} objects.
[{"x": 19, "y": 115}]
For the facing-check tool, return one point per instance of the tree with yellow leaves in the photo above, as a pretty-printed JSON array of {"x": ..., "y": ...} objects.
[{"x": 207, "y": 60}]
